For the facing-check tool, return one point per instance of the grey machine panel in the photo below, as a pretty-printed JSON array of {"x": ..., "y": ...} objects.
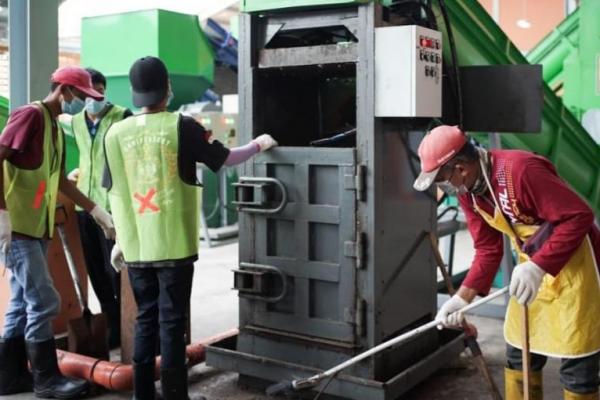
[{"x": 308, "y": 242}]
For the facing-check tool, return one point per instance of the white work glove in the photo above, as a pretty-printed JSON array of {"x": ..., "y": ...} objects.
[
  {"x": 5, "y": 232},
  {"x": 447, "y": 315},
  {"x": 265, "y": 142},
  {"x": 116, "y": 258},
  {"x": 525, "y": 282},
  {"x": 105, "y": 221},
  {"x": 73, "y": 176}
]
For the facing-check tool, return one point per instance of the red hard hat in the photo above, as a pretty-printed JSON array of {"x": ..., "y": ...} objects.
[{"x": 435, "y": 150}]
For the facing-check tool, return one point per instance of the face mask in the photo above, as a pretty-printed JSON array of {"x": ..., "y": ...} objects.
[
  {"x": 94, "y": 107},
  {"x": 448, "y": 188},
  {"x": 170, "y": 98},
  {"x": 74, "y": 106}
]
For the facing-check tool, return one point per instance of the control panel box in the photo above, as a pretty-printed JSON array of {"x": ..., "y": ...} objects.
[{"x": 408, "y": 72}]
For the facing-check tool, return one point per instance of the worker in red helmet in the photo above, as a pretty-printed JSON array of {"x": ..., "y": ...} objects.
[
  {"x": 519, "y": 194},
  {"x": 32, "y": 173}
]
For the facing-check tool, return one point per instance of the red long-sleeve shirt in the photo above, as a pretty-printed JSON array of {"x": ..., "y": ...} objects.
[{"x": 529, "y": 191}]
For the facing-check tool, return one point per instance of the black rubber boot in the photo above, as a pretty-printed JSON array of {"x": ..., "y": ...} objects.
[
  {"x": 143, "y": 382},
  {"x": 14, "y": 374},
  {"x": 174, "y": 384},
  {"x": 113, "y": 315},
  {"x": 48, "y": 382}
]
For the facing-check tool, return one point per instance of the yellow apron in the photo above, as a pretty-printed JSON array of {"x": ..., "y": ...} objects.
[{"x": 564, "y": 318}]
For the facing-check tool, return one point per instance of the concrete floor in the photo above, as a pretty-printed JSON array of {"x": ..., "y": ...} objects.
[{"x": 214, "y": 309}]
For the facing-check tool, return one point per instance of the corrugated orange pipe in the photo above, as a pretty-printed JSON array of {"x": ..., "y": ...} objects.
[{"x": 119, "y": 377}]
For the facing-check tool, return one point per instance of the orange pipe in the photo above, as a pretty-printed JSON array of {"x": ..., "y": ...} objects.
[{"x": 118, "y": 376}]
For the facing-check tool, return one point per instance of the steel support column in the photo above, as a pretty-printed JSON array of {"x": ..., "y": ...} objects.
[{"x": 33, "y": 44}]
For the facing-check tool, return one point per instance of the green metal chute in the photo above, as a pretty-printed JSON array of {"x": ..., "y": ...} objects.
[
  {"x": 480, "y": 41},
  {"x": 552, "y": 51}
]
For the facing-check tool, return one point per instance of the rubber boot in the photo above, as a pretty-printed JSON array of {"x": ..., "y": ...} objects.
[
  {"x": 513, "y": 385},
  {"x": 113, "y": 315},
  {"x": 576, "y": 396},
  {"x": 143, "y": 382},
  {"x": 174, "y": 385},
  {"x": 48, "y": 382},
  {"x": 14, "y": 374}
]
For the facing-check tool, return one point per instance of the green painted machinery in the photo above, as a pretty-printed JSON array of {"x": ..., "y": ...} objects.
[
  {"x": 552, "y": 51},
  {"x": 4, "y": 104},
  {"x": 570, "y": 56},
  {"x": 111, "y": 44}
]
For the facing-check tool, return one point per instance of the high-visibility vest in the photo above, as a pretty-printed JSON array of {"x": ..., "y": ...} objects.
[
  {"x": 155, "y": 213},
  {"x": 31, "y": 193}
]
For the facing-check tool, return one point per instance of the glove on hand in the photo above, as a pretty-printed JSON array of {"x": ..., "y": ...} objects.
[
  {"x": 447, "y": 314},
  {"x": 265, "y": 142},
  {"x": 105, "y": 221},
  {"x": 525, "y": 282},
  {"x": 116, "y": 258},
  {"x": 5, "y": 232}
]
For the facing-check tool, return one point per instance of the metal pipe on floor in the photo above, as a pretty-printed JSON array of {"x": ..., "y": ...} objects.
[{"x": 119, "y": 377}]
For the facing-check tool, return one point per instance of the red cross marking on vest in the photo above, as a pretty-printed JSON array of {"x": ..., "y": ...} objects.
[{"x": 146, "y": 201}]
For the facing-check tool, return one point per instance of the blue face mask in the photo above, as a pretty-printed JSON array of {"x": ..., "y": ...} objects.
[
  {"x": 94, "y": 107},
  {"x": 74, "y": 106}
]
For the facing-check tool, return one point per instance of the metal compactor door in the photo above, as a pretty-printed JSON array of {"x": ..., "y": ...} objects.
[{"x": 300, "y": 279}]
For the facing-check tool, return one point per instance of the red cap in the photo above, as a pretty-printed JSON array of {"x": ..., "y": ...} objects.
[
  {"x": 435, "y": 150},
  {"x": 78, "y": 78}
]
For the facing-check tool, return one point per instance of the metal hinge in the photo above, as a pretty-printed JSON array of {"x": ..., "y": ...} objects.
[
  {"x": 357, "y": 182},
  {"x": 360, "y": 323},
  {"x": 360, "y": 182},
  {"x": 357, "y": 249}
]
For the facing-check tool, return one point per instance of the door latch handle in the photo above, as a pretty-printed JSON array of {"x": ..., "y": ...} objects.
[
  {"x": 254, "y": 281},
  {"x": 252, "y": 195}
]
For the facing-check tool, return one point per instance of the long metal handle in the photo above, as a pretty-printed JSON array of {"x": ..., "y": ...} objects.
[
  {"x": 526, "y": 355},
  {"x": 315, "y": 379},
  {"x": 72, "y": 267},
  {"x": 258, "y": 210}
]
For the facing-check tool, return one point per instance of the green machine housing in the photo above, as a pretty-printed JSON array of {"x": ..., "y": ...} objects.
[{"x": 111, "y": 43}]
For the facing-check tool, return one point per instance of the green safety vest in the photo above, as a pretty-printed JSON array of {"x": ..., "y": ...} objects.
[
  {"x": 91, "y": 154},
  {"x": 31, "y": 194},
  {"x": 156, "y": 214}
]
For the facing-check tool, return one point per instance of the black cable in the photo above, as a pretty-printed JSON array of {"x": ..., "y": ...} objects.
[
  {"x": 429, "y": 14},
  {"x": 454, "y": 61}
]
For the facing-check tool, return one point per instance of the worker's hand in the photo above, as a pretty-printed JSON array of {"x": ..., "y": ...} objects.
[
  {"x": 73, "y": 176},
  {"x": 265, "y": 142},
  {"x": 525, "y": 282},
  {"x": 447, "y": 315},
  {"x": 116, "y": 258},
  {"x": 105, "y": 221},
  {"x": 5, "y": 232}
]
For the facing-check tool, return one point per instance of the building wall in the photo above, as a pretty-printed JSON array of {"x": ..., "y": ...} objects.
[{"x": 543, "y": 15}]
